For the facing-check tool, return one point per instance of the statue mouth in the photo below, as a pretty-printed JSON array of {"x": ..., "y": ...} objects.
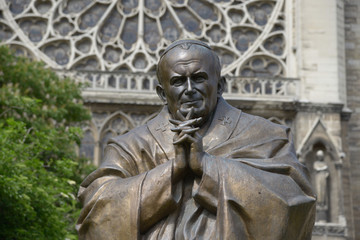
[{"x": 191, "y": 102}]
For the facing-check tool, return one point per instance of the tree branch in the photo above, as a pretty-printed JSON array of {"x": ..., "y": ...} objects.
[
  {"x": 27, "y": 133},
  {"x": 7, "y": 110}
]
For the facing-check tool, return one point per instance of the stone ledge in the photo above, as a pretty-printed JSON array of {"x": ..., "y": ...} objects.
[{"x": 330, "y": 229}]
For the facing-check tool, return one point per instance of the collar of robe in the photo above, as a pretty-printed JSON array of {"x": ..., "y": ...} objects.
[{"x": 221, "y": 127}]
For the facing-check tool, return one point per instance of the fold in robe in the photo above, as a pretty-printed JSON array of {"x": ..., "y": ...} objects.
[{"x": 252, "y": 186}]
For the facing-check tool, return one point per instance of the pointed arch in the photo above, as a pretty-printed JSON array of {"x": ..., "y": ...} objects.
[
  {"x": 324, "y": 160},
  {"x": 115, "y": 124},
  {"x": 318, "y": 133},
  {"x": 89, "y": 143}
]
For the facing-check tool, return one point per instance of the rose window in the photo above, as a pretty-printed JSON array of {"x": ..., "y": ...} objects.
[{"x": 111, "y": 35}]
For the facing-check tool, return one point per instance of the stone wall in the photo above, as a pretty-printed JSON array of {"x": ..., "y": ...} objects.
[
  {"x": 320, "y": 52},
  {"x": 352, "y": 43}
]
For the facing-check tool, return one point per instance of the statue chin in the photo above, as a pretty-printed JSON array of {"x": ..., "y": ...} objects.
[{"x": 197, "y": 112}]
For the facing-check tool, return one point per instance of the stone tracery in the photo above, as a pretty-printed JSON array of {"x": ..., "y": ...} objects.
[{"x": 130, "y": 35}]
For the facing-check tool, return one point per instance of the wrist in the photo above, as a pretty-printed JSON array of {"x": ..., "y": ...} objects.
[
  {"x": 197, "y": 163},
  {"x": 179, "y": 167}
]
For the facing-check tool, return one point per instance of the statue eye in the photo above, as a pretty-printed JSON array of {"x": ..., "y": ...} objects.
[
  {"x": 198, "y": 79},
  {"x": 178, "y": 81}
]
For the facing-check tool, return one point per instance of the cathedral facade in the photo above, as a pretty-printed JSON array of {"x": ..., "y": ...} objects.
[{"x": 294, "y": 62}]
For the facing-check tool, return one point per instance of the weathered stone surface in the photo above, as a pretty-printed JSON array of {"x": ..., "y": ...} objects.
[{"x": 352, "y": 38}]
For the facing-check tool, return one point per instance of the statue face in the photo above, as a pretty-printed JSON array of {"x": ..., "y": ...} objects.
[{"x": 189, "y": 80}]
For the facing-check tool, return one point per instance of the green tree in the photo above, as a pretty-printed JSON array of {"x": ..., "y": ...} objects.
[{"x": 40, "y": 115}]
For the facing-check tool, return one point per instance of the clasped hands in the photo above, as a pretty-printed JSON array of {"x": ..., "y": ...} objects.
[{"x": 188, "y": 144}]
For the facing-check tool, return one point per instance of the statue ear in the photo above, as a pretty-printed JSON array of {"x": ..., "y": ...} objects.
[
  {"x": 161, "y": 93},
  {"x": 221, "y": 86}
]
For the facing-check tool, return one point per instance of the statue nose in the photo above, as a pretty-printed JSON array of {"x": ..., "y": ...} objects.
[{"x": 189, "y": 89}]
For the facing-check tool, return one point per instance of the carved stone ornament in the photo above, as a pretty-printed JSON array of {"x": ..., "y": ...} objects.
[{"x": 247, "y": 35}]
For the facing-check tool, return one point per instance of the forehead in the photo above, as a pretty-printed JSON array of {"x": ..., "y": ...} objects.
[{"x": 195, "y": 54}]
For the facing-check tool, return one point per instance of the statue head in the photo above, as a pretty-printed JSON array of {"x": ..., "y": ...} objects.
[
  {"x": 320, "y": 155},
  {"x": 189, "y": 77}
]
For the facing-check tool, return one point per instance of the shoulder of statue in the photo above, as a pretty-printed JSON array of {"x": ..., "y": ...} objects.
[
  {"x": 140, "y": 132},
  {"x": 160, "y": 124},
  {"x": 253, "y": 124},
  {"x": 134, "y": 134}
]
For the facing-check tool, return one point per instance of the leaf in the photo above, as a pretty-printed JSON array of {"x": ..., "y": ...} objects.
[{"x": 40, "y": 171}]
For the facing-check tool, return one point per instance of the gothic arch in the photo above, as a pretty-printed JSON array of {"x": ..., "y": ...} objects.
[
  {"x": 90, "y": 143},
  {"x": 324, "y": 161},
  {"x": 116, "y": 124}
]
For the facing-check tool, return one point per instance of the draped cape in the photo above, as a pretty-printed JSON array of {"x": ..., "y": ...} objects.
[{"x": 252, "y": 186}]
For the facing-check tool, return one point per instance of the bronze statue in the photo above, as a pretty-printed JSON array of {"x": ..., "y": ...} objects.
[{"x": 201, "y": 169}]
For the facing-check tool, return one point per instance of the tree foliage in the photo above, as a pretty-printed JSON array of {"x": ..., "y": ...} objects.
[{"x": 39, "y": 170}]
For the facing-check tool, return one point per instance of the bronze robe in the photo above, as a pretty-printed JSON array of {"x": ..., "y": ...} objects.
[{"x": 252, "y": 186}]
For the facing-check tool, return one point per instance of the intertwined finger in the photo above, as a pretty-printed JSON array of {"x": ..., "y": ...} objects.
[
  {"x": 185, "y": 127},
  {"x": 184, "y": 138},
  {"x": 185, "y": 123},
  {"x": 182, "y": 132}
]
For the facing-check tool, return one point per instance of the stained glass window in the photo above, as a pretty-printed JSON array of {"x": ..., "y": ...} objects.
[{"x": 248, "y": 35}]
